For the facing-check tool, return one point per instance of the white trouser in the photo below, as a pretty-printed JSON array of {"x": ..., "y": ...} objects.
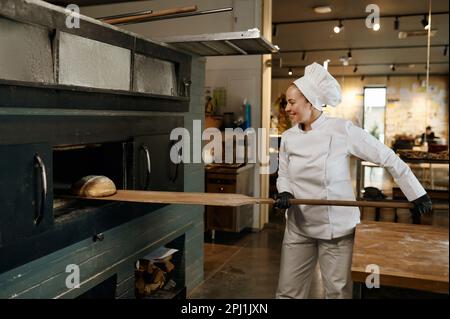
[{"x": 299, "y": 256}]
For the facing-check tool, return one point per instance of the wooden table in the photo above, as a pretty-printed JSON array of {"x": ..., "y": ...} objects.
[{"x": 408, "y": 256}]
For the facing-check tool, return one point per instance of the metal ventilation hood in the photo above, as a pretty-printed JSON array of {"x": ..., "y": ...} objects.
[{"x": 220, "y": 44}]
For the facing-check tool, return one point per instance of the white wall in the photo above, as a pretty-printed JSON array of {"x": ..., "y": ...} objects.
[{"x": 241, "y": 77}]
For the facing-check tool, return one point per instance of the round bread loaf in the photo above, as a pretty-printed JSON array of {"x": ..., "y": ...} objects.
[{"x": 94, "y": 186}]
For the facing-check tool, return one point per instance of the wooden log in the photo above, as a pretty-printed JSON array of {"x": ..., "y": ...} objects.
[{"x": 142, "y": 17}]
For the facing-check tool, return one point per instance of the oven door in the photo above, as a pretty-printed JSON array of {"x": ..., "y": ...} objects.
[
  {"x": 26, "y": 191},
  {"x": 153, "y": 168}
]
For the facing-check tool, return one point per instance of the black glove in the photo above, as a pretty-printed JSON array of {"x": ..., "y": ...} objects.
[
  {"x": 422, "y": 205},
  {"x": 282, "y": 200}
]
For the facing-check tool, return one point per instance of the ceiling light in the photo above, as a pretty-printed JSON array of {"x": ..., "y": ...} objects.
[
  {"x": 339, "y": 27},
  {"x": 425, "y": 22},
  {"x": 344, "y": 60},
  {"x": 355, "y": 69},
  {"x": 322, "y": 9},
  {"x": 290, "y": 71},
  {"x": 376, "y": 27},
  {"x": 362, "y": 77},
  {"x": 393, "y": 67},
  {"x": 304, "y": 56},
  {"x": 415, "y": 33},
  {"x": 445, "y": 50},
  {"x": 349, "y": 54},
  {"x": 396, "y": 23}
]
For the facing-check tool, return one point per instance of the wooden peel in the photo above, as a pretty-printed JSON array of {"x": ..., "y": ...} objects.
[
  {"x": 143, "y": 17},
  {"x": 235, "y": 200}
]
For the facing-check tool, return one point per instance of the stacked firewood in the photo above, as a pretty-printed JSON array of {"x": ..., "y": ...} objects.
[{"x": 151, "y": 276}]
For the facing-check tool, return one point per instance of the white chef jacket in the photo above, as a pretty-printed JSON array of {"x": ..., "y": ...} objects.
[{"x": 316, "y": 164}]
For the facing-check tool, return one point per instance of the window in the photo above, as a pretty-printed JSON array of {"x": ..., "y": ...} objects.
[{"x": 374, "y": 111}]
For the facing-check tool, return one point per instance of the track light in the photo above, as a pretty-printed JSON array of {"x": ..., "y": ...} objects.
[
  {"x": 425, "y": 22},
  {"x": 274, "y": 30},
  {"x": 396, "y": 23},
  {"x": 362, "y": 77},
  {"x": 445, "y": 50},
  {"x": 355, "y": 69},
  {"x": 339, "y": 27},
  {"x": 304, "y": 56},
  {"x": 344, "y": 60},
  {"x": 349, "y": 54},
  {"x": 322, "y": 9},
  {"x": 392, "y": 67},
  {"x": 290, "y": 71}
]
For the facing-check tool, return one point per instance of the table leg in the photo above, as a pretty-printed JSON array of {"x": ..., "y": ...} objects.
[
  {"x": 431, "y": 177},
  {"x": 358, "y": 178},
  {"x": 358, "y": 290}
]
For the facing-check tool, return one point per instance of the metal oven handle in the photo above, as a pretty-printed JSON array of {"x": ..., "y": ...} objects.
[
  {"x": 40, "y": 164},
  {"x": 149, "y": 166},
  {"x": 186, "y": 84},
  {"x": 174, "y": 175}
]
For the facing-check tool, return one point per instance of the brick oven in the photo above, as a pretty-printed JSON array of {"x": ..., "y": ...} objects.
[{"x": 62, "y": 119}]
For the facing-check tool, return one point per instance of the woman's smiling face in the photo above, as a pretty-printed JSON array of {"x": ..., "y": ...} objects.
[{"x": 298, "y": 108}]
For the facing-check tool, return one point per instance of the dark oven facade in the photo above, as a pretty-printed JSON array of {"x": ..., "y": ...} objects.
[
  {"x": 66, "y": 112},
  {"x": 41, "y": 157}
]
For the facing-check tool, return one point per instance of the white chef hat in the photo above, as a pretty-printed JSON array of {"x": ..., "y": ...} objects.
[{"x": 319, "y": 86}]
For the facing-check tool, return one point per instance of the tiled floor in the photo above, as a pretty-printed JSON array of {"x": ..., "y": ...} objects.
[{"x": 246, "y": 265}]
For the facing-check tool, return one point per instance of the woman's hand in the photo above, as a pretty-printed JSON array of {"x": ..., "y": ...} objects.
[
  {"x": 282, "y": 200},
  {"x": 422, "y": 205}
]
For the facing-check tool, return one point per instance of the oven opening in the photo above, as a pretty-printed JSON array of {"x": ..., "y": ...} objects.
[{"x": 73, "y": 162}]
